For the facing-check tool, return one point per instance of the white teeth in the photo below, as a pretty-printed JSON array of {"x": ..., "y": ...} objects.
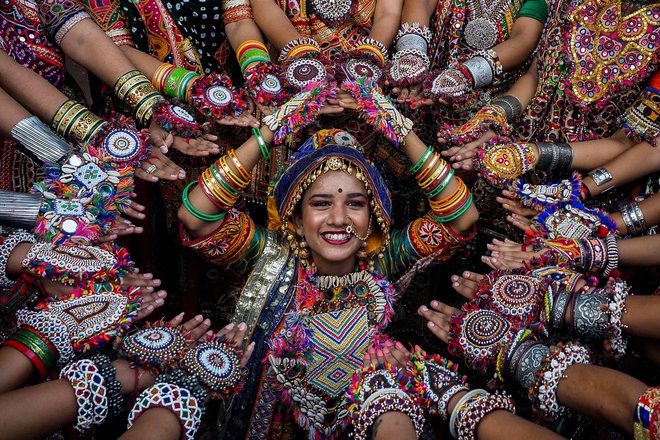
[{"x": 337, "y": 237}]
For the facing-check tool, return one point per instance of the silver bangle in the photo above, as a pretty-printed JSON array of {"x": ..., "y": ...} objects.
[
  {"x": 633, "y": 217},
  {"x": 482, "y": 73},
  {"x": 526, "y": 361},
  {"x": 38, "y": 139},
  {"x": 19, "y": 210},
  {"x": 565, "y": 157},
  {"x": 411, "y": 41},
  {"x": 600, "y": 176},
  {"x": 511, "y": 105},
  {"x": 559, "y": 308},
  {"x": 554, "y": 157},
  {"x": 589, "y": 319}
]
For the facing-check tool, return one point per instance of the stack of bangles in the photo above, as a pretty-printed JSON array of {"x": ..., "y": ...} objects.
[
  {"x": 251, "y": 52},
  {"x": 74, "y": 122},
  {"x": 433, "y": 175},
  {"x": 174, "y": 82},
  {"x": 221, "y": 185},
  {"x": 136, "y": 91},
  {"x": 263, "y": 145},
  {"x": 37, "y": 348},
  {"x": 299, "y": 48}
]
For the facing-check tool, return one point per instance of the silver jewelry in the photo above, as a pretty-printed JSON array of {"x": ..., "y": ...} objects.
[
  {"x": 150, "y": 169},
  {"x": 554, "y": 157},
  {"x": 600, "y": 176},
  {"x": 511, "y": 105},
  {"x": 530, "y": 361},
  {"x": 482, "y": 73},
  {"x": 19, "y": 210},
  {"x": 39, "y": 140},
  {"x": 481, "y": 31},
  {"x": 6, "y": 248},
  {"x": 559, "y": 308},
  {"x": 633, "y": 217},
  {"x": 589, "y": 318}
]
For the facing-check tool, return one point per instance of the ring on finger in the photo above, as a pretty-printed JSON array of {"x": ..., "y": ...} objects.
[{"x": 150, "y": 169}]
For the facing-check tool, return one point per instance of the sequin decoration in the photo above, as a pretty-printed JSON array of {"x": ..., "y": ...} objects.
[
  {"x": 216, "y": 363},
  {"x": 122, "y": 145},
  {"x": 302, "y": 71},
  {"x": 500, "y": 164},
  {"x": 156, "y": 345},
  {"x": 77, "y": 259},
  {"x": 607, "y": 47}
]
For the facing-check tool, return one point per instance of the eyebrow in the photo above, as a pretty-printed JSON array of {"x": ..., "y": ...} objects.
[{"x": 329, "y": 196}]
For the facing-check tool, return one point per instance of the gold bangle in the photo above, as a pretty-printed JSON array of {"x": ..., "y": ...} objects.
[
  {"x": 238, "y": 183},
  {"x": 160, "y": 72},
  {"x": 145, "y": 110},
  {"x": 439, "y": 170},
  {"x": 246, "y": 175},
  {"x": 123, "y": 79},
  {"x": 427, "y": 168}
]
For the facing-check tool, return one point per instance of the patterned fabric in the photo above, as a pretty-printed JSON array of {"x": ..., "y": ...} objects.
[
  {"x": 333, "y": 40},
  {"x": 109, "y": 16},
  {"x": 449, "y": 47},
  {"x": 572, "y": 103},
  {"x": 59, "y": 16}
]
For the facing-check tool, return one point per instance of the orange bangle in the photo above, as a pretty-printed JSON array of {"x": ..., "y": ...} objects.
[
  {"x": 427, "y": 168},
  {"x": 439, "y": 170},
  {"x": 236, "y": 180},
  {"x": 245, "y": 174}
]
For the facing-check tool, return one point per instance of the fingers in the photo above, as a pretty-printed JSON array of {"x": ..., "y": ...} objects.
[
  {"x": 195, "y": 327},
  {"x": 494, "y": 263},
  {"x": 197, "y": 147},
  {"x": 158, "y": 136},
  {"x": 140, "y": 280},
  {"x": 451, "y": 152},
  {"x": 466, "y": 285},
  {"x": 439, "y": 318},
  {"x": 515, "y": 207},
  {"x": 134, "y": 210},
  {"x": 150, "y": 302},
  {"x": 248, "y": 353},
  {"x": 404, "y": 92},
  {"x": 522, "y": 223},
  {"x": 396, "y": 354}
]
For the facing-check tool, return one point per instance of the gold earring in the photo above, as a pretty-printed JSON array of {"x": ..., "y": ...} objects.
[{"x": 302, "y": 251}]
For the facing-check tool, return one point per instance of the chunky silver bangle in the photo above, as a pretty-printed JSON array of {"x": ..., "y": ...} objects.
[
  {"x": 633, "y": 217},
  {"x": 554, "y": 157},
  {"x": 525, "y": 361},
  {"x": 482, "y": 73},
  {"x": 19, "y": 210},
  {"x": 39, "y": 140},
  {"x": 590, "y": 320},
  {"x": 411, "y": 41},
  {"x": 600, "y": 176},
  {"x": 561, "y": 300},
  {"x": 511, "y": 105}
]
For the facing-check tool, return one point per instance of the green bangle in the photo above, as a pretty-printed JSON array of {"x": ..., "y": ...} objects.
[
  {"x": 457, "y": 214},
  {"x": 38, "y": 347},
  {"x": 263, "y": 146},
  {"x": 233, "y": 191},
  {"x": 173, "y": 81},
  {"x": 438, "y": 189},
  {"x": 246, "y": 61},
  {"x": 422, "y": 160},
  {"x": 196, "y": 212},
  {"x": 183, "y": 85}
]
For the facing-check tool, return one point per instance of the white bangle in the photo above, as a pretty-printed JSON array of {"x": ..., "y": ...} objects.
[{"x": 454, "y": 413}]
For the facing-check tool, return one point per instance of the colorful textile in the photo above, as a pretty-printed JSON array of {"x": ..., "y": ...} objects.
[
  {"x": 582, "y": 89},
  {"x": 59, "y": 16},
  {"x": 109, "y": 16}
]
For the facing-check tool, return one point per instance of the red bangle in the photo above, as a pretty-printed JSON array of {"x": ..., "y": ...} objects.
[{"x": 34, "y": 359}]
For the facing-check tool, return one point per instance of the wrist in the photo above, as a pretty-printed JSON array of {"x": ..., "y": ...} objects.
[{"x": 15, "y": 259}]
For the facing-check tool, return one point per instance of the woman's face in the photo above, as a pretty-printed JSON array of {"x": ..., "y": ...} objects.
[{"x": 335, "y": 200}]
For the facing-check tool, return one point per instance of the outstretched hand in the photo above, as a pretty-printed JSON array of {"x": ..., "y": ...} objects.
[{"x": 439, "y": 318}]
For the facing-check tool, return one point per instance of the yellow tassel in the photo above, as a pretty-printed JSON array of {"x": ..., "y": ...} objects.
[{"x": 274, "y": 221}]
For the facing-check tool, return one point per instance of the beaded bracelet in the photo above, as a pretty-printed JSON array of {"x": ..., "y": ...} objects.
[
  {"x": 215, "y": 97},
  {"x": 544, "y": 393},
  {"x": 641, "y": 120},
  {"x": 436, "y": 381},
  {"x": 113, "y": 386},
  {"x": 459, "y": 405},
  {"x": 384, "y": 402},
  {"x": 6, "y": 248},
  {"x": 179, "y": 400},
  {"x": 91, "y": 393},
  {"x": 267, "y": 84},
  {"x": 52, "y": 328},
  {"x": 196, "y": 212},
  {"x": 475, "y": 409},
  {"x": 299, "y": 47},
  {"x": 612, "y": 254},
  {"x": 646, "y": 418},
  {"x": 216, "y": 363},
  {"x": 548, "y": 194},
  {"x": 155, "y": 346}
]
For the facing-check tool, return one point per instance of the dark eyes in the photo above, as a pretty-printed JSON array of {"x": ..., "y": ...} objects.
[{"x": 352, "y": 203}]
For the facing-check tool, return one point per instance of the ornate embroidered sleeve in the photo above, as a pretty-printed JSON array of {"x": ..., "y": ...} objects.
[
  {"x": 236, "y": 10},
  {"x": 422, "y": 238},
  {"x": 109, "y": 16},
  {"x": 60, "y": 16},
  {"x": 237, "y": 242},
  {"x": 641, "y": 120}
]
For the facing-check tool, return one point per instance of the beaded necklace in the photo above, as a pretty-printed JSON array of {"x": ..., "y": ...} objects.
[{"x": 321, "y": 342}]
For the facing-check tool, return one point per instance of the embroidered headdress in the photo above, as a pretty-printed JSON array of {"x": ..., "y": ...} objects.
[{"x": 331, "y": 150}]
